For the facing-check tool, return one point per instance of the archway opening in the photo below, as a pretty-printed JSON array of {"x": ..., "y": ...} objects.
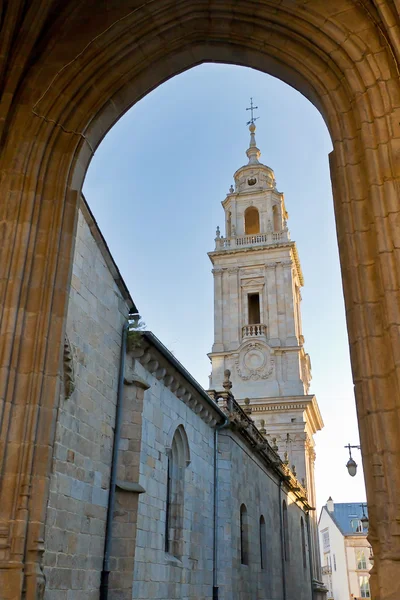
[{"x": 72, "y": 89}]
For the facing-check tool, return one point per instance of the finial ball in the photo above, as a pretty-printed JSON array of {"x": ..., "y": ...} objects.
[
  {"x": 252, "y": 128},
  {"x": 227, "y": 373}
]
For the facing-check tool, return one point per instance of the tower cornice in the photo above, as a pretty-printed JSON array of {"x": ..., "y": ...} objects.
[{"x": 261, "y": 248}]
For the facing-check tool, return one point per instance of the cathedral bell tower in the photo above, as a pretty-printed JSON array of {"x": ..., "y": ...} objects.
[{"x": 257, "y": 320}]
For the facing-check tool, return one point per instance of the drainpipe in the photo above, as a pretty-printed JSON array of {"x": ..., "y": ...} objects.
[
  {"x": 310, "y": 552},
  {"x": 282, "y": 542},
  {"x": 105, "y": 573},
  {"x": 215, "y": 516}
]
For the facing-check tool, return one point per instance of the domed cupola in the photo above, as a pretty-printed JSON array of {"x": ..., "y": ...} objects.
[{"x": 254, "y": 175}]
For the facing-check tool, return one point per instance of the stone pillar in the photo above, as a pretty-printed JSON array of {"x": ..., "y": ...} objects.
[
  {"x": 369, "y": 259},
  {"x": 39, "y": 223},
  {"x": 291, "y": 338},
  {"x": 272, "y": 325},
  {"x": 235, "y": 324},
  {"x": 124, "y": 525},
  {"x": 218, "y": 302}
]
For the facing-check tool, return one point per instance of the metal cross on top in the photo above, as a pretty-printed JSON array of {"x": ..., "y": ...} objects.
[{"x": 252, "y": 108}]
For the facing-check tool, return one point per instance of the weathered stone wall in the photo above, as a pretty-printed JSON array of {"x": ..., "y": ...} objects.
[
  {"x": 244, "y": 480},
  {"x": 158, "y": 574},
  {"x": 75, "y": 527}
]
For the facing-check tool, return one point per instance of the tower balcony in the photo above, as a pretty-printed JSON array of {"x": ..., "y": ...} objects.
[
  {"x": 255, "y": 239},
  {"x": 254, "y": 331}
]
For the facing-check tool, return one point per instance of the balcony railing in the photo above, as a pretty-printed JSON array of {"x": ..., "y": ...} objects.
[
  {"x": 272, "y": 237},
  {"x": 326, "y": 570},
  {"x": 256, "y": 330}
]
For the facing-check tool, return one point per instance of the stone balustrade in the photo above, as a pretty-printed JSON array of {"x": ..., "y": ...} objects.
[
  {"x": 255, "y": 330},
  {"x": 271, "y": 237}
]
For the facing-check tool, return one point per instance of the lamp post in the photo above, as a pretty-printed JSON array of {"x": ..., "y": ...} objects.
[
  {"x": 364, "y": 518},
  {"x": 351, "y": 463}
]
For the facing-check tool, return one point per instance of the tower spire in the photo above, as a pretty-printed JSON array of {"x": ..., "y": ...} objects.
[{"x": 253, "y": 152}]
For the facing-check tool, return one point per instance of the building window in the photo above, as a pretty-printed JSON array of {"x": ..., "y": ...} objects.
[
  {"x": 254, "y": 308},
  {"x": 361, "y": 560},
  {"x": 325, "y": 540},
  {"x": 244, "y": 536},
  {"x": 251, "y": 221},
  {"x": 364, "y": 587},
  {"x": 178, "y": 459},
  {"x": 285, "y": 532},
  {"x": 356, "y": 525},
  {"x": 303, "y": 543},
  {"x": 263, "y": 545},
  {"x": 334, "y": 562}
]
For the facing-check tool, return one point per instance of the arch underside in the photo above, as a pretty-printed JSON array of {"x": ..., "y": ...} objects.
[{"x": 65, "y": 85}]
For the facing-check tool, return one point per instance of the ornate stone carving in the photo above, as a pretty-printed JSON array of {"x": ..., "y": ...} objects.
[
  {"x": 69, "y": 371},
  {"x": 254, "y": 362}
]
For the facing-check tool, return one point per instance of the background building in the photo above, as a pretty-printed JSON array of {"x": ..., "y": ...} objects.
[{"x": 345, "y": 551}]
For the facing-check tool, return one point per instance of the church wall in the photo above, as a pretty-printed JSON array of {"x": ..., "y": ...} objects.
[
  {"x": 75, "y": 526},
  {"x": 243, "y": 479},
  {"x": 158, "y": 574}
]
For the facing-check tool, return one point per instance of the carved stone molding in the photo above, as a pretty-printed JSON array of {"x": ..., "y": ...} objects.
[
  {"x": 68, "y": 368},
  {"x": 254, "y": 362},
  {"x": 158, "y": 366}
]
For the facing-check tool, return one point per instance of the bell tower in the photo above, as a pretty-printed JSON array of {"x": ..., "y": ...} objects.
[{"x": 257, "y": 321}]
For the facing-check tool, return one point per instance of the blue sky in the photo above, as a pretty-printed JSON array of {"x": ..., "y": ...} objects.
[{"x": 155, "y": 186}]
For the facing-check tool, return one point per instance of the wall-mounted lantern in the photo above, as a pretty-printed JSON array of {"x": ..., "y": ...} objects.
[{"x": 351, "y": 463}]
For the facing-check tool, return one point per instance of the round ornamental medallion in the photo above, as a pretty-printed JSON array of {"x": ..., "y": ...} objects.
[
  {"x": 254, "y": 359},
  {"x": 254, "y": 362}
]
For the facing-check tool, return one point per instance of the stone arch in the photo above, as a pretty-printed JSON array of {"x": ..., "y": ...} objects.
[
  {"x": 67, "y": 82},
  {"x": 178, "y": 460},
  {"x": 251, "y": 221}
]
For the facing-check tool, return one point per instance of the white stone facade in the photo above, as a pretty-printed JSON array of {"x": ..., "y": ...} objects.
[
  {"x": 257, "y": 321},
  {"x": 346, "y": 556}
]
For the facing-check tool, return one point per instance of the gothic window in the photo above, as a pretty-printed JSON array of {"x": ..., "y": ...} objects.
[
  {"x": 254, "y": 309},
  {"x": 364, "y": 587},
  {"x": 244, "y": 536},
  {"x": 361, "y": 560},
  {"x": 263, "y": 542},
  {"x": 251, "y": 221},
  {"x": 303, "y": 543},
  {"x": 178, "y": 459},
  {"x": 285, "y": 531}
]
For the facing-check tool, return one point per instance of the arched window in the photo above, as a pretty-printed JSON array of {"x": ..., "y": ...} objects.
[
  {"x": 251, "y": 221},
  {"x": 285, "y": 531},
  {"x": 277, "y": 218},
  {"x": 303, "y": 543},
  {"x": 244, "y": 536},
  {"x": 263, "y": 542},
  {"x": 178, "y": 459}
]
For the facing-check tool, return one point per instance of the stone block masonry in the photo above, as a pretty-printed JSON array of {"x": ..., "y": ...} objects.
[{"x": 75, "y": 526}]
